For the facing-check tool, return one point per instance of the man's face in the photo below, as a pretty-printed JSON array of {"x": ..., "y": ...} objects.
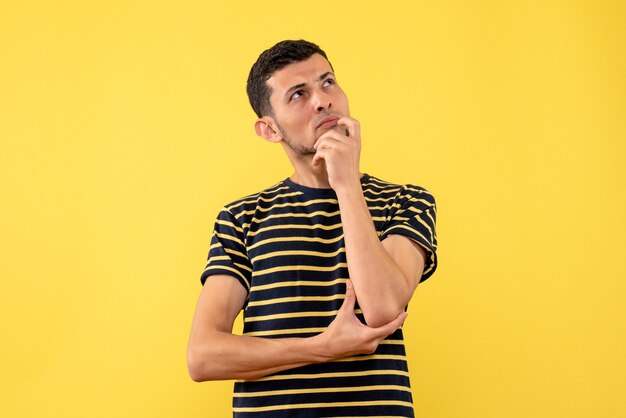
[{"x": 306, "y": 101}]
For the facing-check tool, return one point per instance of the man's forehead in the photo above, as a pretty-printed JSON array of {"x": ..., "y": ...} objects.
[{"x": 305, "y": 71}]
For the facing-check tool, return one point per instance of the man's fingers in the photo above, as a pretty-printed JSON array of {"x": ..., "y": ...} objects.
[
  {"x": 392, "y": 326},
  {"x": 328, "y": 138},
  {"x": 342, "y": 129},
  {"x": 352, "y": 125},
  {"x": 349, "y": 301},
  {"x": 318, "y": 157}
]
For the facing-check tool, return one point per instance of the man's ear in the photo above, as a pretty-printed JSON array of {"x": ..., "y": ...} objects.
[{"x": 265, "y": 127}]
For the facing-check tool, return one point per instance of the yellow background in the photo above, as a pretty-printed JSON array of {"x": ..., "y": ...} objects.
[{"x": 124, "y": 127}]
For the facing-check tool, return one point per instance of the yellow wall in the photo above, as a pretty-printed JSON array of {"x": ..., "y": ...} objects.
[{"x": 124, "y": 127}]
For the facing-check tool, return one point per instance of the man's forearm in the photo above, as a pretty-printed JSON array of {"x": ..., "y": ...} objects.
[
  {"x": 381, "y": 287},
  {"x": 224, "y": 356},
  {"x": 216, "y": 354}
]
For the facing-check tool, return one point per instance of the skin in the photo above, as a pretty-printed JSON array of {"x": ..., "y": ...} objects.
[{"x": 384, "y": 274}]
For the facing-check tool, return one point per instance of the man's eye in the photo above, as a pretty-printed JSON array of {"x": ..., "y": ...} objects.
[
  {"x": 296, "y": 95},
  {"x": 328, "y": 82}
]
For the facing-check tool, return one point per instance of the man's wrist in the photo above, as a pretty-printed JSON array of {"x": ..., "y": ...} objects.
[
  {"x": 349, "y": 189},
  {"x": 319, "y": 349}
]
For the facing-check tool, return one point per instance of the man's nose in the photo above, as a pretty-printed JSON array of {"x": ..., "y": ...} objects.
[{"x": 323, "y": 102}]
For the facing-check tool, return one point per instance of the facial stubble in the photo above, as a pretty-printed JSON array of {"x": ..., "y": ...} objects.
[{"x": 298, "y": 148}]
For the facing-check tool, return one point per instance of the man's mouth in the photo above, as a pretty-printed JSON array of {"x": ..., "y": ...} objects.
[{"x": 328, "y": 122}]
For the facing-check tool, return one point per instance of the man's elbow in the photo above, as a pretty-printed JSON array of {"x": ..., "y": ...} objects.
[
  {"x": 379, "y": 316},
  {"x": 381, "y": 310},
  {"x": 199, "y": 367}
]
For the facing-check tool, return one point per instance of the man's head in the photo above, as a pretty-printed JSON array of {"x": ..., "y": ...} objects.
[
  {"x": 292, "y": 87},
  {"x": 270, "y": 61}
]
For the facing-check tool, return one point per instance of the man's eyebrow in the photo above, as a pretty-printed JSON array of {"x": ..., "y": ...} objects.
[
  {"x": 301, "y": 85},
  {"x": 325, "y": 75},
  {"x": 294, "y": 88}
]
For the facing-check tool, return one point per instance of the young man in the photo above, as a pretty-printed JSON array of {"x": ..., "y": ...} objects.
[{"x": 323, "y": 263}]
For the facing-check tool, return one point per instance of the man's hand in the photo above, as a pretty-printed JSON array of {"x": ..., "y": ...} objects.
[
  {"x": 347, "y": 336},
  {"x": 341, "y": 153},
  {"x": 384, "y": 275}
]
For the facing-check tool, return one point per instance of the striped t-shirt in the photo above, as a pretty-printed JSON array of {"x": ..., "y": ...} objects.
[{"x": 285, "y": 246}]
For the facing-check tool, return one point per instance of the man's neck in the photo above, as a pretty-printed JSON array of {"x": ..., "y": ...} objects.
[
  {"x": 310, "y": 176},
  {"x": 305, "y": 173}
]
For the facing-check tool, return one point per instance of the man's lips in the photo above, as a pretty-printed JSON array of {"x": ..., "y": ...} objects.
[{"x": 328, "y": 122}]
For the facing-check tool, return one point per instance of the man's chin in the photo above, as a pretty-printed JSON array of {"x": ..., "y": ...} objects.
[{"x": 306, "y": 152}]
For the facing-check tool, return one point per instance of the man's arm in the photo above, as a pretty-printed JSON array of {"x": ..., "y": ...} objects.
[
  {"x": 385, "y": 274},
  {"x": 214, "y": 353}
]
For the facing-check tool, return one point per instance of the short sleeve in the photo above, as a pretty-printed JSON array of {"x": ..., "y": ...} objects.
[
  {"x": 414, "y": 216},
  {"x": 227, "y": 253}
]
